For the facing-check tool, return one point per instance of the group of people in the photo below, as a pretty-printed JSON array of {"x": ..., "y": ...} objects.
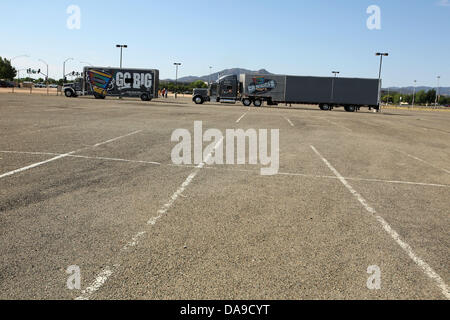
[{"x": 163, "y": 93}]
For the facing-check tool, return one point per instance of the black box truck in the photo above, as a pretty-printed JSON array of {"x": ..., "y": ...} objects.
[
  {"x": 327, "y": 92},
  {"x": 101, "y": 82}
]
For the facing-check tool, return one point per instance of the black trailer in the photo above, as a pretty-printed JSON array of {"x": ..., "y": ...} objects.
[
  {"x": 327, "y": 92},
  {"x": 101, "y": 82}
]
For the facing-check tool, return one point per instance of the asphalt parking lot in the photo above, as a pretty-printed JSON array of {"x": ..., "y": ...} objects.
[{"x": 91, "y": 183}]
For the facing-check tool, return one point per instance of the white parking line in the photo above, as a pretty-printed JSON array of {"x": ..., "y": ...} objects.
[
  {"x": 290, "y": 122},
  {"x": 242, "y": 117},
  {"x": 96, "y": 284},
  {"x": 338, "y": 125},
  {"x": 406, "y": 247},
  {"x": 34, "y": 165},
  {"x": 103, "y": 277},
  {"x": 426, "y": 184},
  {"x": 421, "y": 160}
]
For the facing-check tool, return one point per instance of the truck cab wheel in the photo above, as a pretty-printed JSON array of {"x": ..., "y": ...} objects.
[
  {"x": 145, "y": 97},
  {"x": 257, "y": 103},
  {"x": 350, "y": 108},
  {"x": 247, "y": 102},
  {"x": 68, "y": 93},
  {"x": 198, "y": 100}
]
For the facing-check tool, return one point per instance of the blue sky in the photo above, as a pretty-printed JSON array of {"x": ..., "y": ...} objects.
[{"x": 299, "y": 37}]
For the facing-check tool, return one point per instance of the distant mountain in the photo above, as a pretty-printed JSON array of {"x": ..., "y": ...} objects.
[
  {"x": 216, "y": 75},
  {"x": 410, "y": 90}
]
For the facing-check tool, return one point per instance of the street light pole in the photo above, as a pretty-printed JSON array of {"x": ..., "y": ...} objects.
[
  {"x": 10, "y": 61},
  {"x": 210, "y": 72},
  {"x": 177, "y": 64},
  {"x": 332, "y": 84},
  {"x": 64, "y": 69},
  {"x": 437, "y": 92},
  {"x": 381, "y": 54},
  {"x": 121, "y": 46},
  {"x": 46, "y": 76}
]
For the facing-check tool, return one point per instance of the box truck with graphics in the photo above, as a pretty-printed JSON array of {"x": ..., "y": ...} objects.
[{"x": 101, "y": 82}]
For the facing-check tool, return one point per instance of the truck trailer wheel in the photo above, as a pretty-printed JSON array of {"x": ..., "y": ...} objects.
[
  {"x": 350, "y": 108},
  {"x": 198, "y": 100},
  {"x": 247, "y": 102},
  {"x": 257, "y": 103},
  {"x": 145, "y": 97},
  {"x": 325, "y": 107},
  {"x": 68, "y": 93}
]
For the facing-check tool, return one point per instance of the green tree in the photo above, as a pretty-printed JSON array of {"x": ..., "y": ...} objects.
[
  {"x": 198, "y": 84},
  {"x": 431, "y": 96},
  {"x": 7, "y": 71},
  {"x": 421, "y": 97}
]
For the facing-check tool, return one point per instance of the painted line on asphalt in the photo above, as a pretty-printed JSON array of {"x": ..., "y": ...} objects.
[
  {"x": 421, "y": 160},
  {"x": 337, "y": 124},
  {"x": 426, "y": 184},
  {"x": 103, "y": 277},
  {"x": 406, "y": 247},
  {"x": 34, "y": 165},
  {"x": 242, "y": 117},
  {"x": 183, "y": 186},
  {"x": 290, "y": 122}
]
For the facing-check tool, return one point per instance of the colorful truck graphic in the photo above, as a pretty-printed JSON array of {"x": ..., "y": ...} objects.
[
  {"x": 115, "y": 82},
  {"x": 99, "y": 81},
  {"x": 261, "y": 85}
]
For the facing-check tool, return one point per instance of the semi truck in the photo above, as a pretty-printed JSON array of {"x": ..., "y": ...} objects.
[
  {"x": 326, "y": 92},
  {"x": 101, "y": 82}
]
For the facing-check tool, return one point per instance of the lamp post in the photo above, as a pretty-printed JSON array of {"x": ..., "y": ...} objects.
[
  {"x": 10, "y": 61},
  {"x": 46, "y": 76},
  {"x": 121, "y": 46},
  {"x": 381, "y": 55},
  {"x": 332, "y": 84},
  {"x": 437, "y": 92},
  {"x": 414, "y": 94},
  {"x": 210, "y": 72},
  {"x": 176, "y": 64},
  {"x": 64, "y": 69}
]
